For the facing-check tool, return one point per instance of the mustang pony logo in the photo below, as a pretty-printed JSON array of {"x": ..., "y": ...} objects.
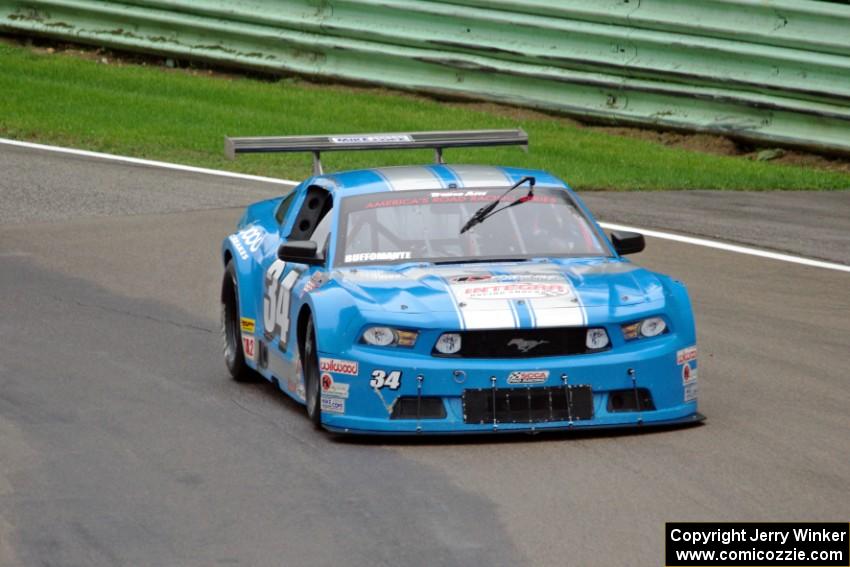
[{"x": 523, "y": 345}]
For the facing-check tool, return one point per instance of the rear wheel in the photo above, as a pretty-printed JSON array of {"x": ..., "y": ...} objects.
[
  {"x": 312, "y": 383},
  {"x": 234, "y": 356}
]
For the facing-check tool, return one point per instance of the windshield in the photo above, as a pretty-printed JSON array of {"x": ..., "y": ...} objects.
[{"x": 411, "y": 226}]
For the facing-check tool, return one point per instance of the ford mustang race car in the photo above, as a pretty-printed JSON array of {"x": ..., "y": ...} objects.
[{"x": 450, "y": 299}]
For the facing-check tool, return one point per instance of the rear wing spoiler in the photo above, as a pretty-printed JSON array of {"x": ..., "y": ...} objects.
[{"x": 437, "y": 141}]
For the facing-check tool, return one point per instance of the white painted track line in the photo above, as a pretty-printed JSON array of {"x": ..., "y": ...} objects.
[
  {"x": 147, "y": 162},
  {"x": 729, "y": 247},
  {"x": 289, "y": 183}
]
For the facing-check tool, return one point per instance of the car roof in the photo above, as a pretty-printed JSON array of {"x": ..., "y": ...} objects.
[{"x": 435, "y": 176}]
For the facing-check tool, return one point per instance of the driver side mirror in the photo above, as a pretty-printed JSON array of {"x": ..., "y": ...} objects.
[
  {"x": 627, "y": 242},
  {"x": 300, "y": 252}
]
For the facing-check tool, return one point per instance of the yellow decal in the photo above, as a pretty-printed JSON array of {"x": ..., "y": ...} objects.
[{"x": 247, "y": 325}]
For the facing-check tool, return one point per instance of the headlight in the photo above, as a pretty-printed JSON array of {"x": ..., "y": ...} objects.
[
  {"x": 650, "y": 327},
  {"x": 387, "y": 336},
  {"x": 448, "y": 343},
  {"x": 596, "y": 339}
]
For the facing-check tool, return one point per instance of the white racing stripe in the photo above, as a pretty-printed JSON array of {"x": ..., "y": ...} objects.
[
  {"x": 560, "y": 305},
  {"x": 289, "y": 183},
  {"x": 472, "y": 176},
  {"x": 478, "y": 312},
  {"x": 492, "y": 300},
  {"x": 409, "y": 178},
  {"x": 729, "y": 247}
]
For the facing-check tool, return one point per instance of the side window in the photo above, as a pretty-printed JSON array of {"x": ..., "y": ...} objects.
[
  {"x": 282, "y": 209},
  {"x": 323, "y": 231}
]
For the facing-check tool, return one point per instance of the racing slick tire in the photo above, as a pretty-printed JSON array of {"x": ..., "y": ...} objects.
[
  {"x": 312, "y": 381},
  {"x": 231, "y": 330}
]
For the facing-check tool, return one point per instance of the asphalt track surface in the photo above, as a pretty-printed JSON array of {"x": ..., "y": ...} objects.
[{"x": 123, "y": 441}]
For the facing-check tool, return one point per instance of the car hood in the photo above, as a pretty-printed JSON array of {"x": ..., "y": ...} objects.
[{"x": 499, "y": 295}]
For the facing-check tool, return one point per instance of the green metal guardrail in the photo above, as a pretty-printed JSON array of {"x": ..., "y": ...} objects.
[{"x": 773, "y": 71}]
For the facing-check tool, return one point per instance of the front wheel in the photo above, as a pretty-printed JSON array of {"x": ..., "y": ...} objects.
[
  {"x": 234, "y": 356},
  {"x": 312, "y": 383}
]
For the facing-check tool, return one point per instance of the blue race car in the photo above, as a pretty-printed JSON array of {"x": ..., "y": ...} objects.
[{"x": 450, "y": 299}]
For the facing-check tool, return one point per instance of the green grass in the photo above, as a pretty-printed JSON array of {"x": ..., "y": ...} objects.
[{"x": 179, "y": 117}]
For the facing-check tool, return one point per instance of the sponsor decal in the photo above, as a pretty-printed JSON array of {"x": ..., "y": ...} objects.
[
  {"x": 528, "y": 377},
  {"x": 471, "y": 278},
  {"x": 377, "y": 256},
  {"x": 689, "y": 380},
  {"x": 691, "y": 392},
  {"x": 252, "y": 237},
  {"x": 478, "y": 197},
  {"x": 396, "y": 202},
  {"x": 370, "y": 276},
  {"x": 508, "y": 278},
  {"x": 249, "y": 347},
  {"x": 689, "y": 373},
  {"x": 247, "y": 325},
  {"x": 383, "y": 138},
  {"x": 686, "y": 355},
  {"x": 444, "y": 197},
  {"x": 451, "y": 194},
  {"x": 333, "y": 405},
  {"x": 337, "y": 366},
  {"x": 238, "y": 246},
  {"x": 331, "y": 388},
  {"x": 382, "y": 379},
  {"x": 524, "y": 345},
  {"x": 316, "y": 281},
  {"x": 524, "y": 290}
]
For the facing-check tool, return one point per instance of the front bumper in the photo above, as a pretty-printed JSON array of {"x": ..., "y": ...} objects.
[{"x": 351, "y": 405}]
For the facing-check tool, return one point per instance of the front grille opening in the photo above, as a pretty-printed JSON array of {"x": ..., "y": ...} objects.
[
  {"x": 522, "y": 343},
  {"x": 624, "y": 400},
  {"x": 527, "y": 405},
  {"x": 428, "y": 408}
]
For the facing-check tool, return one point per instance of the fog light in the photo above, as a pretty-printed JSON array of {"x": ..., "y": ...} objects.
[
  {"x": 448, "y": 343},
  {"x": 596, "y": 339}
]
